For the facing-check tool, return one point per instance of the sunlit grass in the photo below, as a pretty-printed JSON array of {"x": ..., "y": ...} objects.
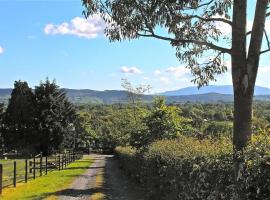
[
  {"x": 46, "y": 187},
  {"x": 99, "y": 184}
]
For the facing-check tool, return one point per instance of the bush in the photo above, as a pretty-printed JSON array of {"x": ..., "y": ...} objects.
[{"x": 188, "y": 168}]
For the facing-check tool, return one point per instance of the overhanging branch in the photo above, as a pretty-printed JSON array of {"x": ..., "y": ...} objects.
[
  {"x": 215, "y": 19},
  {"x": 188, "y": 41}
]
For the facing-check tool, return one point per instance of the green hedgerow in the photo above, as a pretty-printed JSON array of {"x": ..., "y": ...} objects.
[{"x": 188, "y": 168}]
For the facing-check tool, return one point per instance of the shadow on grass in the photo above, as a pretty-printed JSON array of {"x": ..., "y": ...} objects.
[{"x": 83, "y": 161}]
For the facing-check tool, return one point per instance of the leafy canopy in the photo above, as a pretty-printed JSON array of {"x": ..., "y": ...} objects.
[{"x": 191, "y": 26}]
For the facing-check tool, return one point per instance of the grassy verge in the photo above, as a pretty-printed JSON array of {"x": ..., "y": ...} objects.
[
  {"x": 99, "y": 184},
  {"x": 47, "y": 186}
]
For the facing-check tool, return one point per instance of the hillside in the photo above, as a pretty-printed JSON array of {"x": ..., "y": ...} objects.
[
  {"x": 221, "y": 89},
  {"x": 119, "y": 96}
]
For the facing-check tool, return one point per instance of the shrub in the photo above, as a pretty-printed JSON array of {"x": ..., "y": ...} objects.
[{"x": 188, "y": 168}]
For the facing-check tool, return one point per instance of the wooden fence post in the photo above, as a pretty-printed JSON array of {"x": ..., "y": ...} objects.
[
  {"x": 46, "y": 165},
  {"x": 65, "y": 160},
  {"x": 40, "y": 164},
  {"x": 14, "y": 174},
  {"x": 26, "y": 171},
  {"x": 34, "y": 168},
  {"x": 59, "y": 162},
  {"x": 30, "y": 166},
  {"x": 1, "y": 178},
  {"x": 62, "y": 162}
]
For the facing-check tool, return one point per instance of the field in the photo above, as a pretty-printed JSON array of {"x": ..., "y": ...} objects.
[
  {"x": 8, "y": 169},
  {"x": 47, "y": 186}
]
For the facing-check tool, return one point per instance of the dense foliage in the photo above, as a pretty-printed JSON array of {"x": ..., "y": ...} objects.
[
  {"x": 189, "y": 168},
  {"x": 109, "y": 126},
  {"x": 38, "y": 120},
  {"x": 54, "y": 116},
  {"x": 19, "y": 119}
]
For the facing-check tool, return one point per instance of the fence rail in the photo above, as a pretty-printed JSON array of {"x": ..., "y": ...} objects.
[{"x": 22, "y": 170}]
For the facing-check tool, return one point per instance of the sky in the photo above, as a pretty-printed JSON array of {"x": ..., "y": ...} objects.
[{"x": 51, "y": 38}]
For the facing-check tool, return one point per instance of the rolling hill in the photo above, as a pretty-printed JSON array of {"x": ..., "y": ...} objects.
[
  {"x": 210, "y": 94},
  {"x": 221, "y": 89}
]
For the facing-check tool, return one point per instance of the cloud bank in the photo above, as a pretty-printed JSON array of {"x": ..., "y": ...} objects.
[
  {"x": 89, "y": 28},
  {"x": 1, "y": 50},
  {"x": 130, "y": 70}
]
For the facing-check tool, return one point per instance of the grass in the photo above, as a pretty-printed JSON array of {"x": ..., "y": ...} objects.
[
  {"x": 99, "y": 184},
  {"x": 46, "y": 187},
  {"x": 8, "y": 168}
]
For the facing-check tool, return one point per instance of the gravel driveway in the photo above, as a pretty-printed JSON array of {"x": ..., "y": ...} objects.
[{"x": 116, "y": 185}]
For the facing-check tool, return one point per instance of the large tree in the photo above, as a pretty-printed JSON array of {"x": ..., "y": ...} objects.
[
  {"x": 55, "y": 115},
  {"x": 2, "y": 112},
  {"x": 19, "y": 117},
  {"x": 192, "y": 27}
]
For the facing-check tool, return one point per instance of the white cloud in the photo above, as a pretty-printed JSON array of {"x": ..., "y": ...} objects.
[
  {"x": 146, "y": 78},
  {"x": 130, "y": 70},
  {"x": 1, "y": 50},
  {"x": 165, "y": 80},
  {"x": 88, "y": 28},
  {"x": 157, "y": 72},
  {"x": 178, "y": 71}
]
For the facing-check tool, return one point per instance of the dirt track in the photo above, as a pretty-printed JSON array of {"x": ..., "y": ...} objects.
[{"x": 116, "y": 186}]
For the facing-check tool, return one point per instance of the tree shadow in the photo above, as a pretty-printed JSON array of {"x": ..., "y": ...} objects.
[
  {"x": 74, "y": 193},
  {"x": 115, "y": 189}
]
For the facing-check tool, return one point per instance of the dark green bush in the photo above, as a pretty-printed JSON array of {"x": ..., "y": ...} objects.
[{"x": 188, "y": 168}]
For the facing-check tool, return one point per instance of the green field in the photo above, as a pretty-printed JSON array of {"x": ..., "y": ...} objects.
[
  {"x": 8, "y": 170},
  {"x": 47, "y": 186}
]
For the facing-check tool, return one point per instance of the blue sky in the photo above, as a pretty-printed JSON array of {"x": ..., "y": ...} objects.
[{"x": 40, "y": 39}]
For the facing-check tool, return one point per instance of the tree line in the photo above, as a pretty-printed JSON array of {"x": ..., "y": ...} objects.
[{"x": 39, "y": 120}]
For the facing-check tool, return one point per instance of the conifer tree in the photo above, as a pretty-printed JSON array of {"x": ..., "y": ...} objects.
[{"x": 19, "y": 117}]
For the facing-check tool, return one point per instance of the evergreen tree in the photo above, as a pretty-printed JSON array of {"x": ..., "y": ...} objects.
[
  {"x": 1, "y": 125},
  {"x": 55, "y": 115},
  {"x": 19, "y": 117}
]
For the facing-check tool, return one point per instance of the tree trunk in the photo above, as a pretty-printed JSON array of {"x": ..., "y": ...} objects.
[
  {"x": 242, "y": 117},
  {"x": 244, "y": 73},
  {"x": 242, "y": 100},
  {"x": 245, "y": 67}
]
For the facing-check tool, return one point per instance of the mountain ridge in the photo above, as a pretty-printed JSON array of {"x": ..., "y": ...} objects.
[
  {"x": 88, "y": 96},
  {"x": 221, "y": 89}
]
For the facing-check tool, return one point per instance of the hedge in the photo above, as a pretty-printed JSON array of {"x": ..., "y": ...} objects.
[{"x": 188, "y": 168}]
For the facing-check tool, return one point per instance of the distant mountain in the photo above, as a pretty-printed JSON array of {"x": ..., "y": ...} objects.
[
  {"x": 86, "y": 96},
  {"x": 221, "y": 89},
  {"x": 210, "y": 94},
  {"x": 4, "y": 95},
  {"x": 200, "y": 98},
  {"x": 97, "y": 97}
]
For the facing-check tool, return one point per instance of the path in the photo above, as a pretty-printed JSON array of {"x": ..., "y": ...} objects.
[{"x": 116, "y": 185}]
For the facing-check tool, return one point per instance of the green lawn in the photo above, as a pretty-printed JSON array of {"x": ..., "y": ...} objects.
[
  {"x": 8, "y": 168},
  {"x": 47, "y": 186}
]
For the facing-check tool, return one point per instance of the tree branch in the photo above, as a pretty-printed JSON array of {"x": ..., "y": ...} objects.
[
  {"x": 199, "y": 6},
  {"x": 268, "y": 43},
  {"x": 208, "y": 19},
  {"x": 183, "y": 41}
]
